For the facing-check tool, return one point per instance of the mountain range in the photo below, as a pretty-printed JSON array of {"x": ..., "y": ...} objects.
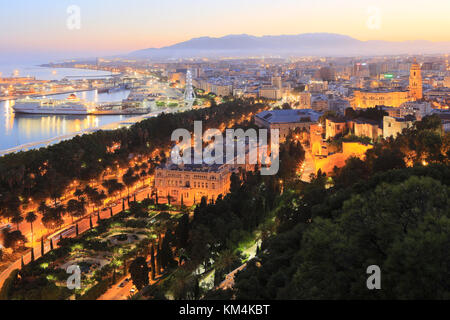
[{"x": 307, "y": 44}]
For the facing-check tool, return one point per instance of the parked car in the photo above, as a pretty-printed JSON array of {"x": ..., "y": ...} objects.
[
  {"x": 64, "y": 233},
  {"x": 5, "y": 226}
]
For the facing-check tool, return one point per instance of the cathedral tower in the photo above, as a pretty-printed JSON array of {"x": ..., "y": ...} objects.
[{"x": 415, "y": 81}]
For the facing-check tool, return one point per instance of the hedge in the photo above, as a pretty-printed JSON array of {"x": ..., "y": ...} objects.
[
  {"x": 5, "y": 292},
  {"x": 96, "y": 291}
]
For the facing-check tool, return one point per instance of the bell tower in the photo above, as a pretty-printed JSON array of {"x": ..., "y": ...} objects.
[{"x": 415, "y": 81}]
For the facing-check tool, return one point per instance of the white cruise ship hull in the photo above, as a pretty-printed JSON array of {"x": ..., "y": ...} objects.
[
  {"x": 48, "y": 111},
  {"x": 45, "y": 106}
]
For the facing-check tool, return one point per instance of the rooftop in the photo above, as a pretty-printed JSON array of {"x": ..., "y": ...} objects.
[
  {"x": 336, "y": 120},
  {"x": 408, "y": 118},
  {"x": 381, "y": 90},
  {"x": 365, "y": 121},
  {"x": 289, "y": 116}
]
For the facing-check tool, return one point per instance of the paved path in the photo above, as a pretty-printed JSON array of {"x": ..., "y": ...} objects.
[
  {"x": 309, "y": 168},
  {"x": 118, "y": 293},
  {"x": 228, "y": 283}
]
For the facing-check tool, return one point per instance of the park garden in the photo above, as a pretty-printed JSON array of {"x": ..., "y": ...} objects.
[{"x": 103, "y": 254}]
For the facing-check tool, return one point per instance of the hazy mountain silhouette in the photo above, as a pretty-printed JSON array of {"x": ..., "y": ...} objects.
[{"x": 324, "y": 44}]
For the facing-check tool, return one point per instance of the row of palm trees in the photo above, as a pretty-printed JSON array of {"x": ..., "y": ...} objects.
[{"x": 52, "y": 216}]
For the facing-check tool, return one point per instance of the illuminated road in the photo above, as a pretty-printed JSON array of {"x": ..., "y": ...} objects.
[
  {"x": 119, "y": 293},
  {"x": 309, "y": 168}
]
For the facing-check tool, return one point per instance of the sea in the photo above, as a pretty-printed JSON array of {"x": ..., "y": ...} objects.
[{"x": 19, "y": 129}]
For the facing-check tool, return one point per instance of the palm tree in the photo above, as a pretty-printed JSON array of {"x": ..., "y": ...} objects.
[
  {"x": 52, "y": 217},
  {"x": 129, "y": 179},
  {"x": 82, "y": 206},
  {"x": 98, "y": 200},
  {"x": 73, "y": 208},
  {"x": 10, "y": 205},
  {"x": 30, "y": 218},
  {"x": 142, "y": 175},
  {"x": 17, "y": 219},
  {"x": 91, "y": 194},
  {"x": 110, "y": 186},
  {"x": 78, "y": 193},
  {"x": 120, "y": 187},
  {"x": 43, "y": 208}
]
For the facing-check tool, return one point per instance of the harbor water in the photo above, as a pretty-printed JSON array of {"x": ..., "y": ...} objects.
[{"x": 19, "y": 129}]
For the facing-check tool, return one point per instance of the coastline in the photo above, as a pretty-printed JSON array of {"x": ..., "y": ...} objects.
[
  {"x": 39, "y": 95},
  {"x": 121, "y": 118},
  {"x": 106, "y": 127},
  {"x": 49, "y": 66}
]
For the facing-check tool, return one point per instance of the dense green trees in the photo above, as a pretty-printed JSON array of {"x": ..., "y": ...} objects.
[
  {"x": 372, "y": 212},
  {"x": 139, "y": 272},
  {"x": 8, "y": 285},
  {"x": 113, "y": 187},
  {"x": 13, "y": 239},
  {"x": 182, "y": 232},
  {"x": 399, "y": 222},
  {"x": 183, "y": 285},
  {"x": 372, "y": 230},
  {"x": 165, "y": 253}
]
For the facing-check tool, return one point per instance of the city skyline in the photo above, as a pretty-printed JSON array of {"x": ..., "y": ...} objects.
[
  {"x": 127, "y": 26},
  {"x": 224, "y": 150}
]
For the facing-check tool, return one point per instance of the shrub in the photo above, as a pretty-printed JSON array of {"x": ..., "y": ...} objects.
[
  {"x": 7, "y": 288},
  {"x": 96, "y": 291}
]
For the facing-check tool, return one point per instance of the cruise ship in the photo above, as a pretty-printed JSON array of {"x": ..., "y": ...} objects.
[{"x": 71, "y": 105}]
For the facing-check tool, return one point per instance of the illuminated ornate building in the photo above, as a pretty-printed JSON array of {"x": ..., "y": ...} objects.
[
  {"x": 189, "y": 183},
  {"x": 391, "y": 97},
  {"x": 371, "y": 98},
  {"x": 415, "y": 81}
]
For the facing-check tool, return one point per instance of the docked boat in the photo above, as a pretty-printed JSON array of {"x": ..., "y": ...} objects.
[{"x": 69, "y": 106}]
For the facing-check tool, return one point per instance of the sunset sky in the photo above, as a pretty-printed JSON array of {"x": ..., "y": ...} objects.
[{"x": 118, "y": 26}]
